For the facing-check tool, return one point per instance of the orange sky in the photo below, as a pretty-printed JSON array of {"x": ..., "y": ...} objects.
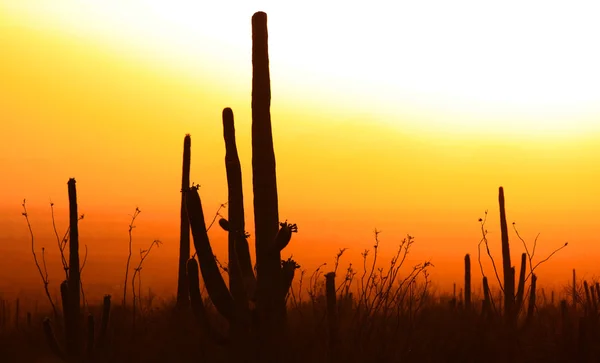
[{"x": 359, "y": 146}]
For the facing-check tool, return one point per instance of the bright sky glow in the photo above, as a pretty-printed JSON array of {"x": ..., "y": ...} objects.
[{"x": 450, "y": 66}]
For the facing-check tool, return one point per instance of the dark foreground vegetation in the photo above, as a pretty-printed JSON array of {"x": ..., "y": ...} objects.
[{"x": 240, "y": 311}]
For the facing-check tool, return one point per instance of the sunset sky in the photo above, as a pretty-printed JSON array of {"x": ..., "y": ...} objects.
[{"x": 401, "y": 116}]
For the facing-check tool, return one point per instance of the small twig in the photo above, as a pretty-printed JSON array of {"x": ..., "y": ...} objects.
[
  {"x": 60, "y": 243},
  {"x": 136, "y": 213},
  {"x": 84, "y": 260},
  {"x": 546, "y": 259},
  {"x": 43, "y": 275},
  {"x": 487, "y": 247},
  {"x": 137, "y": 272},
  {"x": 337, "y": 258}
]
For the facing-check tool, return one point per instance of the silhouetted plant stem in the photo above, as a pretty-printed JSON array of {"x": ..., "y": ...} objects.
[
  {"x": 137, "y": 272},
  {"x": 241, "y": 276},
  {"x": 332, "y": 318},
  {"x": 532, "y": 297},
  {"x": 588, "y": 299},
  {"x": 270, "y": 300},
  {"x": 574, "y": 291},
  {"x": 74, "y": 283},
  {"x": 215, "y": 285},
  {"x": 136, "y": 213},
  {"x": 509, "y": 282},
  {"x": 521, "y": 286},
  {"x": 43, "y": 273},
  {"x": 487, "y": 301},
  {"x": 197, "y": 304},
  {"x": 51, "y": 339},
  {"x": 184, "y": 228},
  {"x": 467, "y": 282}
]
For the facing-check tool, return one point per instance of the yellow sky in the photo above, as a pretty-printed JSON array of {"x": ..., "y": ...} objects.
[{"x": 405, "y": 119}]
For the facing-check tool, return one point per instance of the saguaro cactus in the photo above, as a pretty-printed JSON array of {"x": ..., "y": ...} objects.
[
  {"x": 332, "y": 318},
  {"x": 521, "y": 286},
  {"x": 184, "y": 228},
  {"x": 268, "y": 289},
  {"x": 509, "y": 279},
  {"x": 270, "y": 301},
  {"x": 70, "y": 291},
  {"x": 532, "y": 295},
  {"x": 73, "y": 313},
  {"x": 467, "y": 282}
]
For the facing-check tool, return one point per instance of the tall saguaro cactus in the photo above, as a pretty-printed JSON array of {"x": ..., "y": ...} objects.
[
  {"x": 184, "y": 228},
  {"x": 509, "y": 279},
  {"x": 270, "y": 302},
  {"x": 72, "y": 314}
]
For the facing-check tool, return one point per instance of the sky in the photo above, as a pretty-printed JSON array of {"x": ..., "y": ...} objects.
[{"x": 403, "y": 117}]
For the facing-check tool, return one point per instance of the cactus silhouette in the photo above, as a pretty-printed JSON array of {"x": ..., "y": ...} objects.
[
  {"x": 467, "y": 281},
  {"x": 269, "y": 287},
  {"x": 332, "y": 318},
  {"x": 521, "y": 286},
  {"x": 73, "y": 313},
  {"x": 184, "y": 228},
  {"x": 70, "y": 291},
  {"x": 509, "y": 278}
]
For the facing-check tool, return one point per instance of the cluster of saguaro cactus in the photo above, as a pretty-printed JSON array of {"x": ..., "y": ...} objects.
[
  {"x": 70, "y": 290},
  {"x": 253, "y": 304},
  {"x": 513, "y": 300}
]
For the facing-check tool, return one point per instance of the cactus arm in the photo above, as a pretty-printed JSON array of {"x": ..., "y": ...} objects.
[
  {"x": 215, "y": 285},
  {"x": 236, "y": 210},
  {"x": 288, "y": 270},
  {"x": 198, "y": 308},
  {"x": 284, "y": 235}
]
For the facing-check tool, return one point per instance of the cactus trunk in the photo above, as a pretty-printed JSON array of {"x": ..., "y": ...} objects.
[
  {"x": 270, "y": 299},
  {"x": 332, "y": 319},
  {"x": 532, "y": 296},
  {"x": 574, "y": 291},
  {"x": 467, "y": 282},
  {"x": 184, "y": 228},
  {"x": 74, "y": 281},
  {"x": 521, "y": 286},
  {"x": 509, "y": 280}
]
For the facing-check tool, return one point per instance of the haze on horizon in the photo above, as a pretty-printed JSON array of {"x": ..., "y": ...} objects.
[{"x": 404, "y": 119}]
